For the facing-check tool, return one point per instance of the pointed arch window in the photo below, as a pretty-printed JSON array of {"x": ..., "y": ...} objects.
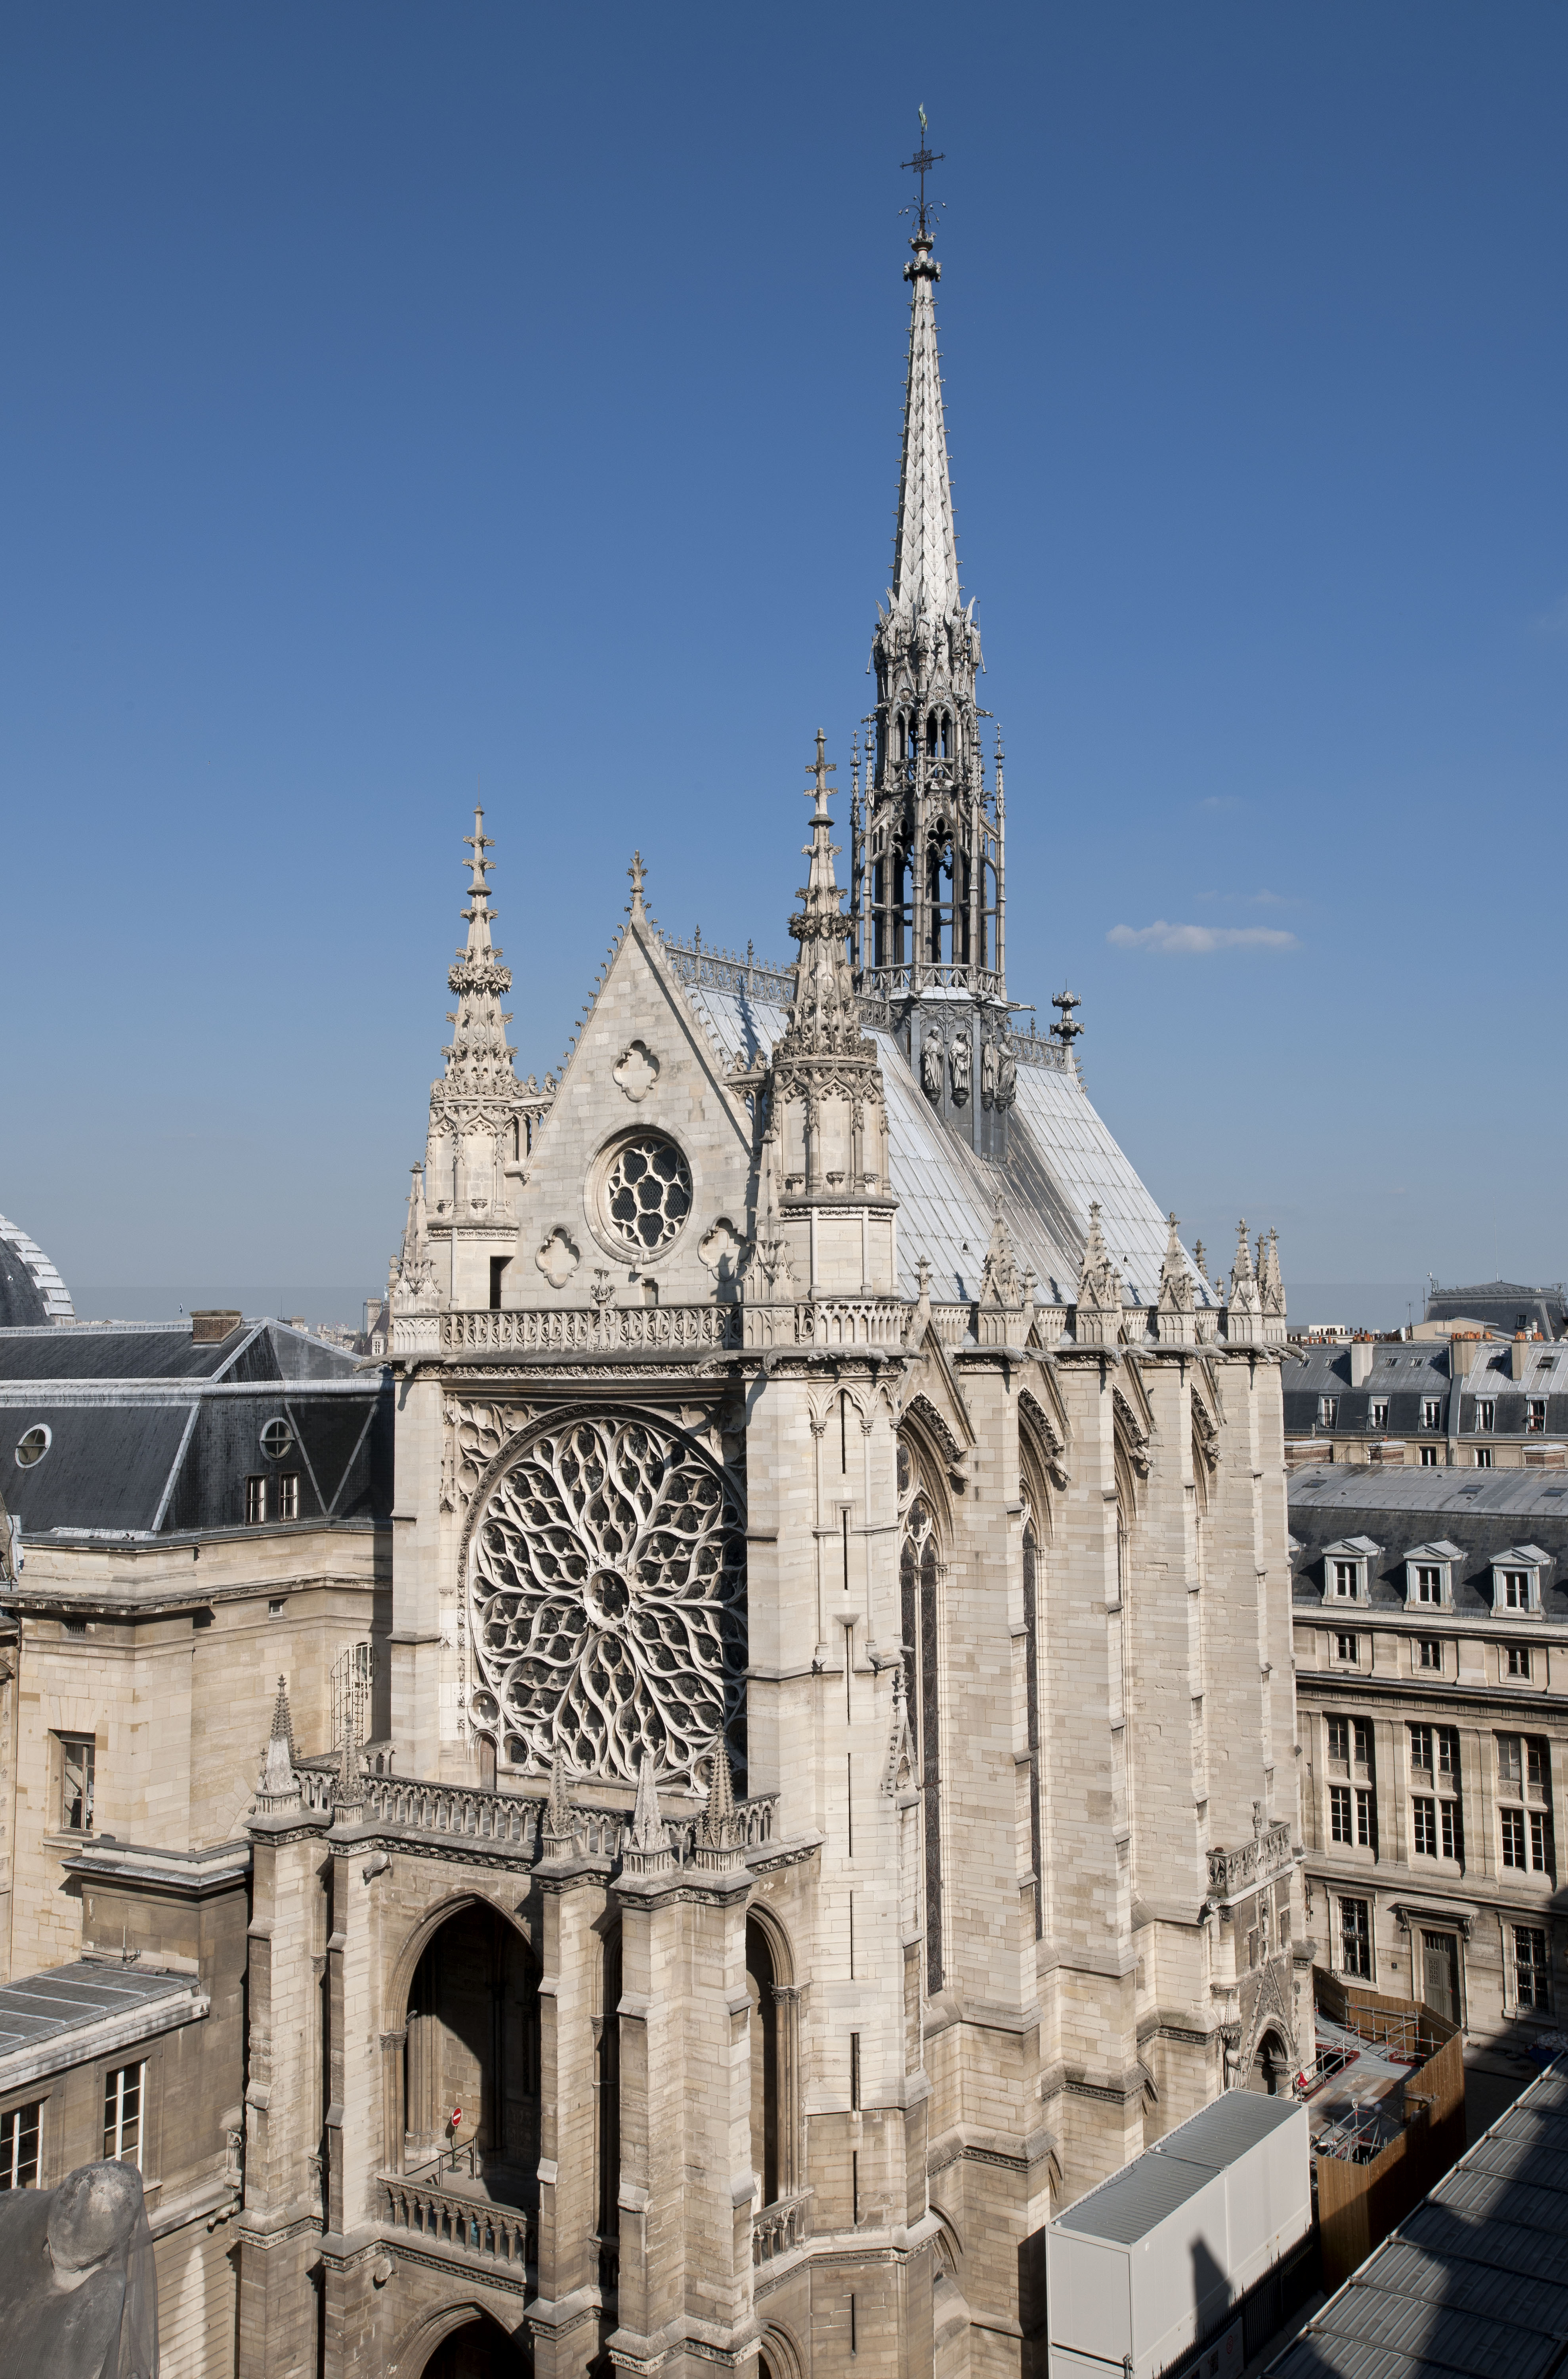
[{"x": 919, "y": 1576}]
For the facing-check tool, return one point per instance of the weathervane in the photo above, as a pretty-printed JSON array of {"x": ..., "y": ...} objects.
[{"x": 922, "y": 163}]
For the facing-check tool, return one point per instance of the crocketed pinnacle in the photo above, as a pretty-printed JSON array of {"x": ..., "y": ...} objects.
[
  {"x": 824, "y": 1016},
  {"x": 479, "y": 1063},
  {"x": 278, "y": 1782},
  {"x": 926, "y": 575},
  {"x": 999, "y": 1282}
]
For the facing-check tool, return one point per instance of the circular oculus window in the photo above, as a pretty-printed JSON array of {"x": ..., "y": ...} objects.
[
  {"x": 277, "y": 1439},
  {"x": 32, "y": 1446},
  {"x": 645, "y": 1195}
]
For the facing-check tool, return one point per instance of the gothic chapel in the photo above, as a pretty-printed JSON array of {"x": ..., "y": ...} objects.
[{"x": 829, "y": 1795}]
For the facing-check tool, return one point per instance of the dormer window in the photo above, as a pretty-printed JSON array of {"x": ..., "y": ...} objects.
[
  {"x": 1328, "y": 1411},
  {"x": 1432, "y": 1412},
  {"x": 1486, "y": 1412},
  {"x": 1516, "y": 1579},
  {"x": 1377, "y": 1413},
  {"x": 1429, "y": 1574},
  {"x": 1346, "y": 1573},
  {"x": 1534, "y": 1424}
]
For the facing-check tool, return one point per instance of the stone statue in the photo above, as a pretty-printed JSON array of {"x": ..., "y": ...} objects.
[
  {"x": 1007, "y": 1075},
  {"x": 930, "y": 1065},
  {"x": 988, "y": 1074},
  {"x": 959, "y": 1063},
  {"x": 79, "y": 2295}
]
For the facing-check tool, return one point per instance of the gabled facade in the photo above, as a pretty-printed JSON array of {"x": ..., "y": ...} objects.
[{"x": 835, "y": 1799}]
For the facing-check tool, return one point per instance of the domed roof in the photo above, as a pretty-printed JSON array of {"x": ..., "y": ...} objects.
[{"x": 31, "y": 1291}]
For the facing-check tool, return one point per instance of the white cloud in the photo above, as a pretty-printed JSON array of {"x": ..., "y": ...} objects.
[{"x": 1197, "y": 941}]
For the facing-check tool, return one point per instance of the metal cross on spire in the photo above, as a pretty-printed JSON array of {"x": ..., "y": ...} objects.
[{"x": 921, "y": 163}]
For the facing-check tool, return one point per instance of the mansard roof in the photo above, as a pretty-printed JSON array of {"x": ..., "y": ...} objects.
[
  {"x": 1482, "y": 1515},
  {"x": 151, "y": 1433}
]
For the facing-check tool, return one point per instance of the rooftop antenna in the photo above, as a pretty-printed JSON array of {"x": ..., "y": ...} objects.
[{"x": 921, "y": 163}]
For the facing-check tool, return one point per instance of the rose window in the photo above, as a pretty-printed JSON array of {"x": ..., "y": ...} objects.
[
  {"x": 608, "y": 1589},
  {"x": 648, "y": 1192}
]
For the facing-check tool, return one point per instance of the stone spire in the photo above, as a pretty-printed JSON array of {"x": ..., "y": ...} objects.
[
  {"x": 648, "y": 1852},
  {"x": 824, "y": 1016},
  {"x": 999, "y": 1282},
  {"x": 826, "y": 1138},
  {"x": 1173, "y": 1322},
  {"x": 279, "y": 1787},
  {"x": 1099, "y": 1314},
  {"x": 558, "y": 1828},
  {"x": 721, "y": 1837},
  {"x": 479, "y": 1063},
  {"x": 1244, "y": 1311}
]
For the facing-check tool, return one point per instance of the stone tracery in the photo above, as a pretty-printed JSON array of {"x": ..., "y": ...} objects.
[{"x": 608, "y": 1589}]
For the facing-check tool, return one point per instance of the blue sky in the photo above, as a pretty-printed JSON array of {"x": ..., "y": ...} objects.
[{"x": 398, "y": 400}]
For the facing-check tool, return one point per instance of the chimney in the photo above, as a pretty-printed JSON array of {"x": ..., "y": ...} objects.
[
  {"x": 1361, "y": 1353},
  {"x": 1518, "y": 1355},
  {"x": 1462, "y": 1348},
  {"x": 212, "y": 1324}
]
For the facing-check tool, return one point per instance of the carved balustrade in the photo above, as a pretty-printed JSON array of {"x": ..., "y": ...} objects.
[
  {"x": 512, "y": 1824},
  {"x": 1231, "y": 1873},
  {"x": 446, "y": 2223},
  {"x": 590, "y": 1330},
  {"x": 778, "y": 2229}
]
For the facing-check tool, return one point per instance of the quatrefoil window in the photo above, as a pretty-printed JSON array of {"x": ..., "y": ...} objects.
[
  {"x": 647, "y": 1193},
  {"x": 606, "y": 1585}
]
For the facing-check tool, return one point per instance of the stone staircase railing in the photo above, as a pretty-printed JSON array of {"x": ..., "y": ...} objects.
[{"x": 778, "y": 2229}]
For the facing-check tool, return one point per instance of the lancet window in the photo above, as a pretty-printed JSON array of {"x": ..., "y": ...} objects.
[{"x": 921, "y": 1570}]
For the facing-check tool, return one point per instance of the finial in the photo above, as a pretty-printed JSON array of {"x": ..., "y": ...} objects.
[
  {"x": 922, "y": 163},
  {"x": 1070, "y": 1029},
  {"x": 638, "y": 874},
  {"x": 478, "y": 843},
  {"x": 819, "y": 771}
]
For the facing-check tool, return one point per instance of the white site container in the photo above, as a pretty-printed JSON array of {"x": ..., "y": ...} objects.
[{"x": 1153, "y": 2259}]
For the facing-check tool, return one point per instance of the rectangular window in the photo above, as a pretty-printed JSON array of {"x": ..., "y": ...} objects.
[
  {"x": 1425, "y": 1815},
  {"x": 1430, "y": 1456},
  {"x": 288, "y": 1495},
  {"x": 1529, "y": 1967},
  {"x": 1486, "y": 1413},
  {"x": 1355, "y": 1938},
  {"x": 1540, "y": 1841},
  {"x": 18, "y": 2147},
  {"x": 255, "y": 1501},
  {"x": 1339, "y": 1739},
  {"x": 1513, "y": 1838},
  {"x": 1345, "y": 1647},
  {"x": 1452, "y": 1832},
  {"x": 1536, "y": 1770},
  {"x": 1428, "y": 1584},
  {"x": 1515, "y": 1590},
  {"x": 77, "y": 1758},
  {"x": 1421, "y": 1748},
  {"x": 1365, "y": 1821},
  {"x": 1483, "y": 1457},
  {"x": 1432, "y": 1412},
  {"x": 1518, "y": 1660},
  {"x": 1448, "y": 1755},
  {"x": 1535, "y": 1424},
  {"x": 1510, "y": 1764},
  {"x": 122, "y": 2115},
  {"x": 1428, "y": 1652},
  {"x": 1328, "y": 1411},
  {"x": 1344, "y": 1580},
  {"x": 1377, "y": 1416},
  {"x": 1339, "y": 1812},
  {"x": 1362, "y": 1731}
]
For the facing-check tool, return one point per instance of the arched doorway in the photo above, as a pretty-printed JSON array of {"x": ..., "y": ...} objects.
[
  {"x": 472, "y": 2048},
  {"x": 1271, "y": 2067},
  {"x": 479, "y": 2350}
]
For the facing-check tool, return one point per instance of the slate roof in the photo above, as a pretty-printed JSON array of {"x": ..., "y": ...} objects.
[
  {"x": 1405, "y": 1373},
  {"x": 1485, "y": 1513},
  {"x": 1505, "y": 1305},
  {"x": 1475, "y": 2281},
  {"x": 65, "y": 1999},
  {"x": 1061, "y": 1156},
  {"x": 153, "y": 1433},
  {"x": 31, "y": 1292}
]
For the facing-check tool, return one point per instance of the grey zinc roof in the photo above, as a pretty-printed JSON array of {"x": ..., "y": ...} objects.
[
  {"x": 1475, "y": 2281},
  {"x": 1480, "y": 1514},
  {"x": 31, "y": 1291},
  {"x": 1129, "y": 2205},
  {"x": 67, "y": 1997},
  {"x": 1061, "y": 1157}
]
